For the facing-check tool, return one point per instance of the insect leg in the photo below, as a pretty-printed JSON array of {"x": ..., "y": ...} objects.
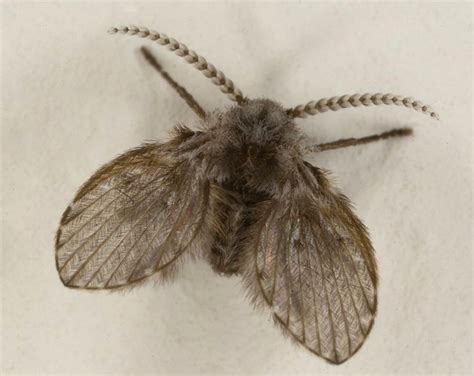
[
  {"x": 343, "y": 143},
  {"x": 182, "y": 92}
]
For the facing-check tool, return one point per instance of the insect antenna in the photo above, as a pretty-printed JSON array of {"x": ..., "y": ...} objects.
[
  {"x": 182, "y": 92},
  {"x": 217, "y": 77},
  {"x": 346, "y": 142},
  {"x": 356, "y": 100}
]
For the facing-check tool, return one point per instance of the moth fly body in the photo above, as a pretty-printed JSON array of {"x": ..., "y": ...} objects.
[{"x": 239, "y": 194}]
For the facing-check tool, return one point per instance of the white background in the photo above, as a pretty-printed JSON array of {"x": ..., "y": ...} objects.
[{"x": 74, "y": 97}]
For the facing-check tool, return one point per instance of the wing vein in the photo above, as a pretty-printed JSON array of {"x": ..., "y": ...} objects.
[
  {"x": 83, "y": 265},
  {"x": 366, "y": 261},
  {"x": 331, "y": 321},
  {"x": 277, "y": 261},
  {"x": 344, "y": 314},
  {"x": 92, "y": 203},
  {"x": 301, "y": 295},
  {"x": 349, "y": 287},
  {"x": 86, "y": 223},
  {"x": 287, "y": 269},
  {"x": 137, "y": 222},
  {"x": 316, "y": 310},
  {"x": 360, "y": 283},
  {"x": 153, "y": 239},
  {"x": 101, "y": 226}
]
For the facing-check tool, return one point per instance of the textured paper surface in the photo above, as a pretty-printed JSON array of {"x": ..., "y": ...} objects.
[{"x": 74, "y": 97}]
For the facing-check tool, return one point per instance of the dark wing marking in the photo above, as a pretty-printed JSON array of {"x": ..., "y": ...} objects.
[
  {"x": 135, "y": 216},
  {"x": 310, "y": 258}
]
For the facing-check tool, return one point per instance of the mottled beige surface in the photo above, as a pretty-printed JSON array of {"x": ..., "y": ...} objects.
[{"x": 74, "y": 97}]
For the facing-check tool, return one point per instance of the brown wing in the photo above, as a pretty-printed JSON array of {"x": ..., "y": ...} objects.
[
  {"x": 135, "y": 216},
  {"x": 311, "y": 260}
]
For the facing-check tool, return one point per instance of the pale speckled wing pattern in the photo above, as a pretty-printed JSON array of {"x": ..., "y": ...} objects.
[
  {"x": 135, "y": 216},
  {"x": 315, "y": 266}
]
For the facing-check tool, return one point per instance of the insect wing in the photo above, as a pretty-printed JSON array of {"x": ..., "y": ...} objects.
[
  {"x": 311, "y": 260},
  {"x": 135, "y": 216}
]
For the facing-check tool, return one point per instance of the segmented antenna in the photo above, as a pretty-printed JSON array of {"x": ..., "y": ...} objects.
[
  {"x": 356, "y": 100},
  {"x": 217, "y": 77}
]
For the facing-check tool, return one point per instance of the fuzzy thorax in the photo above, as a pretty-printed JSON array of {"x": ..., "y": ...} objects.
[{"x": 254, "y": 146}]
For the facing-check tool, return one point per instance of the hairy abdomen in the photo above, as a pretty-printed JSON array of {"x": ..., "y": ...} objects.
[{"x": 225, "y": 252}]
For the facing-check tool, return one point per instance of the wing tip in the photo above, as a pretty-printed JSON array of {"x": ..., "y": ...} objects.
[
  {"x": 66, "y": 283},
  {"x": 331, "y": 360}
]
